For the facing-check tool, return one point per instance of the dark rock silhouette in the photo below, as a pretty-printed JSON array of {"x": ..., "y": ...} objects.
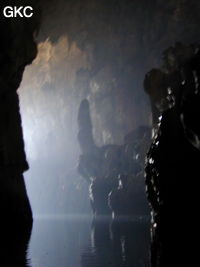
[
  {"x": 85, "y": 136},
  {"x": 17, "y": 49},
  {"x": 15, "y": 234},
  {"x": 173, "y": 164},
  {"x": 114, "y": 172}
]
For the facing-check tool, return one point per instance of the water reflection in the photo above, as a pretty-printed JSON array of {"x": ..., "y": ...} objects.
[
  {"x": 117, "y": 244},
  {"x": 78, "y": 242}
]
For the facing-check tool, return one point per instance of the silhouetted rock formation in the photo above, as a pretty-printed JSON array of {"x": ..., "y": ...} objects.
[
  {"x": 17, "y": 49},
  {"x": 114, "y": 172},
  {"x": 85, "y": 136},
  {"x": 173, "y": 160}
]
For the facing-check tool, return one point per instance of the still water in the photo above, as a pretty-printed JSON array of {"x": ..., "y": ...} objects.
[{"x": 78, "y": 241}]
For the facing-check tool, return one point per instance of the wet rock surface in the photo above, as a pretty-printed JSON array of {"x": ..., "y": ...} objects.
[{"x": 172, "y": 163}]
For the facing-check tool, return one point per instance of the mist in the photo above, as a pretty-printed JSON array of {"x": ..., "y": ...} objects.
[
  {"x": 63, "y": 74},
  {"x": 91, "y": 64},
  {"x": 99, "y": 51},
  {"x": 49, "y": 114}
]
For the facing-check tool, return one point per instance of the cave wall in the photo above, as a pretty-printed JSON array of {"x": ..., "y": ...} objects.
[
  {"x": 17, "y": 49},
  {"x": 100, "y": 51},
  {"x": 122, "y": 40}
]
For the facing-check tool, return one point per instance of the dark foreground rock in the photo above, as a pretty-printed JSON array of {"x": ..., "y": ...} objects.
[
  {"x": 17, "y": 49},
  {"x": 172, "y": 167}
]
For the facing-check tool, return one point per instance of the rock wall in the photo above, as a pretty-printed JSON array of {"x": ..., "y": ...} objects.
[
  {"x": 17, "y": 49},
  {"x": 122, "y": 41},
  {"x": 173, "y": 159}
]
